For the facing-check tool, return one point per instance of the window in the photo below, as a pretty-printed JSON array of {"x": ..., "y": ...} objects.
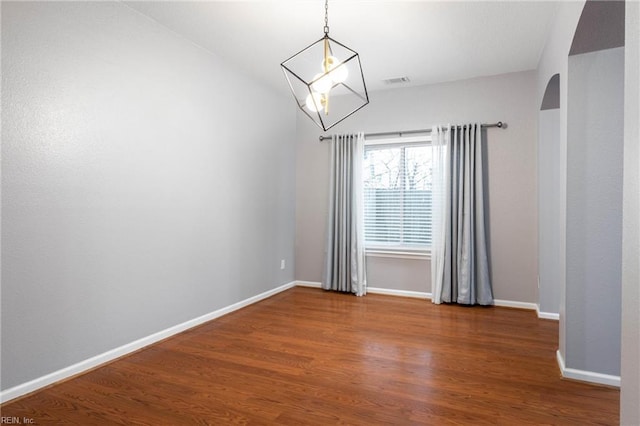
[{"x": 397, "y": 194}]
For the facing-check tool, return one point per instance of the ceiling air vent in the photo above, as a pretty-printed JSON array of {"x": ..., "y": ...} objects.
[{"x": 396, "y": 80}]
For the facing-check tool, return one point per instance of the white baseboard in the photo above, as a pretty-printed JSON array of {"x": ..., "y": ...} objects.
[
  {"x": 374, "y": 290},
  {"x": 128, "y": 348},
  {"x": 422, "y": 295},
  {"x": 547, "y": 315},
  {"x": 401, "y": 293},
  {"x": 514, "y": 304},
  {"x": 313, "y": 284},
  {"x": 586, "y": 376}
]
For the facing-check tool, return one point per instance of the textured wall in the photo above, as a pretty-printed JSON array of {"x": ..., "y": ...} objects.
[
  {"x": 145, "y": 183},
  {"x": 554, "y": 60},
  {"x": 511, "y": 156},
  {"x": 594, "y": 210},
  {"x": 550, "y": 220},
  {"x": 630, "y": 351}
]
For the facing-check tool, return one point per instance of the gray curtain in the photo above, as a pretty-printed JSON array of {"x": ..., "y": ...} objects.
[
  {"x": 463, "y": 276},
  {"x": 345, "y": 257}
]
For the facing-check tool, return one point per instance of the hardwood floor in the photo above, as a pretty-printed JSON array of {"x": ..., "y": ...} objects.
[{"x": 308, "y": 357}]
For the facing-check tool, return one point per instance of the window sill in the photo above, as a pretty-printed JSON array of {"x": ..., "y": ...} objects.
[{"x": 399, "y": 254}]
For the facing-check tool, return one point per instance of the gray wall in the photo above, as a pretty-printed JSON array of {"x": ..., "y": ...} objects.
[
  {"x": 554, "y": 60},
  {"x": 630, "y": 351},
  {"x": 511, "y": 155},
  {"x": 135, "y": 195},
  {"x": 549, "y": 211},
  {"x": 594, "y": 210}
]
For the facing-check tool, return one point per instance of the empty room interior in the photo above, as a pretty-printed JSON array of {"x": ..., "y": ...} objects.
[{"x": 320, "y": 212}]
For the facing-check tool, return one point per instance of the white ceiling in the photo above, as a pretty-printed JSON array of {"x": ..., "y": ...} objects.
[{"x": 427, "y": 41}]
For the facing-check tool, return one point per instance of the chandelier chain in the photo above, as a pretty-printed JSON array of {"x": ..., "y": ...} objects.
[{"x": 326, "y": 17}]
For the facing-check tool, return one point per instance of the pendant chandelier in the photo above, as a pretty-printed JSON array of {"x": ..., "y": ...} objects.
[{"x": 326, "y": 79}]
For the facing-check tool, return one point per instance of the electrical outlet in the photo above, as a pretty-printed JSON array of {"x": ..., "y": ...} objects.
[{"x": 282, "y": 264}]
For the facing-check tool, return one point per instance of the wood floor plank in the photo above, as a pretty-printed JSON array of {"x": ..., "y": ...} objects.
[{"x": 310, "y": 357}]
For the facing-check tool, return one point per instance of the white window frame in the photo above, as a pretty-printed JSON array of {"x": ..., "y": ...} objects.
[{"x": 398, "y": 252}]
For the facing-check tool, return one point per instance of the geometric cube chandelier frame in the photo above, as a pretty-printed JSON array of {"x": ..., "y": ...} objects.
[{"x": 326, "y": 80}]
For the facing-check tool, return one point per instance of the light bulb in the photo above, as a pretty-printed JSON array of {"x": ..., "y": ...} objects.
[
  {"x": 322, "y": 83},
  {"x": 314, "y": 101},
  {"x": 339, "y": 71}
]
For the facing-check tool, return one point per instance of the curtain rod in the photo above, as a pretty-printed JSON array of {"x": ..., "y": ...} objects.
[{"x": 499, "y": 124}]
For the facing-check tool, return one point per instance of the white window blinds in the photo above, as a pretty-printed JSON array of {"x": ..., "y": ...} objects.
[{"x": 397, "y": 193}]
